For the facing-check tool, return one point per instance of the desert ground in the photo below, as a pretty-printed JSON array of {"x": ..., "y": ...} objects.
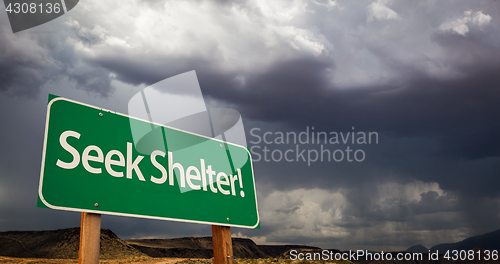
[{"x": 159, "y": 261}]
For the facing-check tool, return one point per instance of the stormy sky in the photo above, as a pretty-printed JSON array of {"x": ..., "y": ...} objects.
[{"x": 422, "y": 74}]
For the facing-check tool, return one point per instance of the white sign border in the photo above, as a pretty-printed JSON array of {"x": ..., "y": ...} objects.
[{"x": 125, "y": 214}]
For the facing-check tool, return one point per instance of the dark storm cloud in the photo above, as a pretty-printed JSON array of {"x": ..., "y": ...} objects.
[
  {"x": 25, "y": 63},
  {"x": 459, "y": 113},
  {"x": 398, "y": 208},
  {"x": 432, "y": 95},
  {"x": 36, "y": 57},
  {"x": 93, "y": 79},
  {"x": 453, "y": 119}
]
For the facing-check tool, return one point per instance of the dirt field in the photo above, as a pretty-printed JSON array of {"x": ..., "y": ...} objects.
[
  {"x": 157, "y": 261},
  {"x": 117, "y": 261}
]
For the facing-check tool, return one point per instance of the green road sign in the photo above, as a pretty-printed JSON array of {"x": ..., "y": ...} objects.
[{"x": 91, "y": 164}]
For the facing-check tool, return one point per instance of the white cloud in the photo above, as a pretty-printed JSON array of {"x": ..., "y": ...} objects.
[
  {"x": 460, "y": 25},
  {"x": 92, "y": 35},
  {"x": 329, "y": 4},
  {"x": 281, "y": 10},
  {"x": 380, "y": 11},
  {"x": 409, "y": 192},
  {"x": 419, "y": 197},
  {"x": 304, "y": 213},
  {"x": 301, "y": 39},
  {"x": 392, "y": 209},
  {"x": 231, "y": 38},
  {"x": 481, "y": 19}
]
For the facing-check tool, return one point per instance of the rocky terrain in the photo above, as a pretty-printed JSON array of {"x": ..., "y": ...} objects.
[
  {"x": 64, "y": 244},
  {"x": 201, "y": 247},
  {"x": 61, "y": 246},
  {"x": 195, "y": 247}
]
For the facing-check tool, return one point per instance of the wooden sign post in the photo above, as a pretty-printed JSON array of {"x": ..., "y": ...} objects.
[
  {"x": 90, "y": 235},
  {"x": 223, "y": 247}
]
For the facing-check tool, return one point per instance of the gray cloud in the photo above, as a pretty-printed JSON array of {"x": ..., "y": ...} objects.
[
  {"x": 38, "y": 57},
  {"x": 408, "y": 70},
  {"x": 25, "y": 72}
]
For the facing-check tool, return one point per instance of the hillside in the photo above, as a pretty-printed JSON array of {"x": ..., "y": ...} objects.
[
  {"x": 417, "y": 249},
  {"x": 487, "y": 241},
  {"x": 61, "y": 244},
  {"x": 64, "y": 244},
  {"x": 282, "y": 250},
  {"x": 201, "y": 247}
]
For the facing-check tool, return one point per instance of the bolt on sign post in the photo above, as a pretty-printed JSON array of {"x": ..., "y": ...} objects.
[{"x": 90, "y": 164}]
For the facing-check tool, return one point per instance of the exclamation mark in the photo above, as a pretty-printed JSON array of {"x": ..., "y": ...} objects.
[{"x": 242, "y": 193}]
